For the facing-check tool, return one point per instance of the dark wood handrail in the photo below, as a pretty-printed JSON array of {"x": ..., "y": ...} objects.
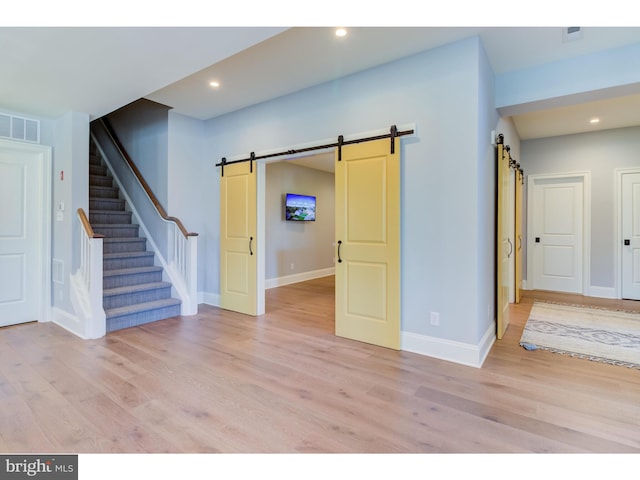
[
  {"x": 145, "y": 185},
  {"x": 87, "y": 226}
]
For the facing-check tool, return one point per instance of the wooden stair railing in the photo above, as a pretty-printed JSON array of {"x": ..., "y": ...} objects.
[
  {"x": 182, "y": 254},
  {"x": 156, "y": 203}
]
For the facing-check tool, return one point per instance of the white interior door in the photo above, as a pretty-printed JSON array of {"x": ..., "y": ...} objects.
[
  {"x": 631, "y": 236},
  {"x": 557, "y": 236},
  {"x": 23, "y": 236}
]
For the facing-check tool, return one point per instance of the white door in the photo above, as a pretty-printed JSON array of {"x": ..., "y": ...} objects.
[
  {"x": 557, "y": 236},
  {"x": 631, "y": 236},
  {"x": 23, "y": 239}
]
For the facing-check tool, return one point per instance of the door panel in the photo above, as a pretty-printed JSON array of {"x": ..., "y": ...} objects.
[
  {"x": 504, "y": 245},
  {"x": 368, "y": 243},
  {"x": 21, "y": 236},
  {"x": 631, "y": 236},
  {"x": 238, "y": 243},
  {"x": 518, "y": 235},
  {"x": 558, "y": 224}
]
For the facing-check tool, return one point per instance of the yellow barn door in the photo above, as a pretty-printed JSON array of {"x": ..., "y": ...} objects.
[
  {"x": 518, "y": 233},
  {"x": 504, "y": 246},
  {"x": 238, "y": 225},
  {"x": 367, "y": 181}
]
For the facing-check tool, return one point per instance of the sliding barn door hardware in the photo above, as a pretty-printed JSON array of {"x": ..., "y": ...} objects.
[{"x": 393, "y": 133}]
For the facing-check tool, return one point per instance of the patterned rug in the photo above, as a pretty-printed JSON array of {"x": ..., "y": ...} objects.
[{"x": 597, "y": 334}]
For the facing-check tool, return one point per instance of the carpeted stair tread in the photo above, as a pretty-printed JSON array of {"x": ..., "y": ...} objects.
[
  {"x": 135, "y": 288},
  {"x": 94, "y": 210},
  {"x": 124, "y": 239},
  {"x": 134, "y": 291},
  {"x": 141, "y": 307},
  {"x": 108, "y": 256},
  {"x": 114, "y": 225},
  {"x": 130, "y": 271}
]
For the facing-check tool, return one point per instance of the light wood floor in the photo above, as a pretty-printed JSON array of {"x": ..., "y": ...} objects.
[{"x": 224, "y": 382}]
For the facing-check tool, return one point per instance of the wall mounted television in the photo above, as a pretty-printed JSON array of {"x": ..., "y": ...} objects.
[{"x": 300, "y": 208}]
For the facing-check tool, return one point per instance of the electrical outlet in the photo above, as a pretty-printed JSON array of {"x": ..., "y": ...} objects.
[
  {"x": 435, "y": 319},
  {"x": 291, "y": 267}
]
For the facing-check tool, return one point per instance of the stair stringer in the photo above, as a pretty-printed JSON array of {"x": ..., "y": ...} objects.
[{"x": 169, "y": 272}]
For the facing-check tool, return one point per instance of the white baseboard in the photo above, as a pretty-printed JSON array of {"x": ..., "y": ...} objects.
[
  {"x": 298, "y": 277},
  {"x": 212, "y": 299},
  {"x": 602, "y": 292},
  {"x": 456, "y": 352},
  {"x": 68, "y": 321}
]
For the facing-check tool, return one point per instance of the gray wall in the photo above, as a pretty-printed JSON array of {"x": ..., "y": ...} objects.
[
  {"x": 308, "y": 246},
  {"x": 142, "y": 128},
  {"x": 599, "y": 153}
]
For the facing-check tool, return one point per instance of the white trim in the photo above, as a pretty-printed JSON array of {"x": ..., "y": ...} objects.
[
  {"x": 617, "y": 230},
  {"x": 602, "y": 292},
  {"x": 69, "y": 322},
  {"x": 299, "y": 277},
  {"x": 209, "y": 298},
  {"x": 449, "y": 350},
  {"x": 586, "y": 223}
]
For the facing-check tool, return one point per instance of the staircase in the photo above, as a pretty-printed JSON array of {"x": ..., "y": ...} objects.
[{"x": 134, "y": 292}]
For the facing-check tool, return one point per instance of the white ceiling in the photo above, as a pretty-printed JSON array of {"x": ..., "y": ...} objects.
[{"x": 51, "y": 70}]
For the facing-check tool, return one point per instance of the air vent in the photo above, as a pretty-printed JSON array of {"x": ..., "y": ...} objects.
[
  {"x": 19, "y": 128},
  {"x": 571, "y": 34}
]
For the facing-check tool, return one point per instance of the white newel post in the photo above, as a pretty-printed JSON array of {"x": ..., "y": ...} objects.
[
  {"x": 191, "y": 273},
  {"x": 97, "y": 324}
]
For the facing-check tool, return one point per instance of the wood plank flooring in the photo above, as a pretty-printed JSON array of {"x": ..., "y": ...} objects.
[{"x": 282, "y": 382}]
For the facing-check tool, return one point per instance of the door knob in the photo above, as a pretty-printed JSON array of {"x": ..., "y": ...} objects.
[{"x": 627, "y": 241}]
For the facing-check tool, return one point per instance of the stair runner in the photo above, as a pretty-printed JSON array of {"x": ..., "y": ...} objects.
[{"x": 133, "y": 290}]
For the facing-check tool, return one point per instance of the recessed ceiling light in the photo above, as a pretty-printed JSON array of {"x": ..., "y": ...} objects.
[
  {"x": 593, "y": 121},
  {"x": 341, "y": 32},
  {"x": 214, "y": 84}
]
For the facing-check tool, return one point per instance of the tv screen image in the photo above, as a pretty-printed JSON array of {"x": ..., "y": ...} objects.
[{"x": 300, "y": 208}]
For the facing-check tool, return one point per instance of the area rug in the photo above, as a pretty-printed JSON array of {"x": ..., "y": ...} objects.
[{"x": 597, "y": 334}]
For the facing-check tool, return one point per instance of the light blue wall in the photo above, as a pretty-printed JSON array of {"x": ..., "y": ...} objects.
[
  {"x": 439, "y": 90},
  {"x": 485, "y": 173},
  {"x": 188, "y": 197},
  {"x": 563, "y": 82},
  {"x": 71, "y": 155}
]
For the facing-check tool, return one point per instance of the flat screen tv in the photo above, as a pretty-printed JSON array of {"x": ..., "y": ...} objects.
[{"x": 300, "y": 208}]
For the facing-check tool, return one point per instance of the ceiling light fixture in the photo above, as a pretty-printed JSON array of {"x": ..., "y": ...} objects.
[
  {"x": 341, "y": 32},
  {"x": 593, "y": 121},
  {"x": 214, "y": 84}
]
